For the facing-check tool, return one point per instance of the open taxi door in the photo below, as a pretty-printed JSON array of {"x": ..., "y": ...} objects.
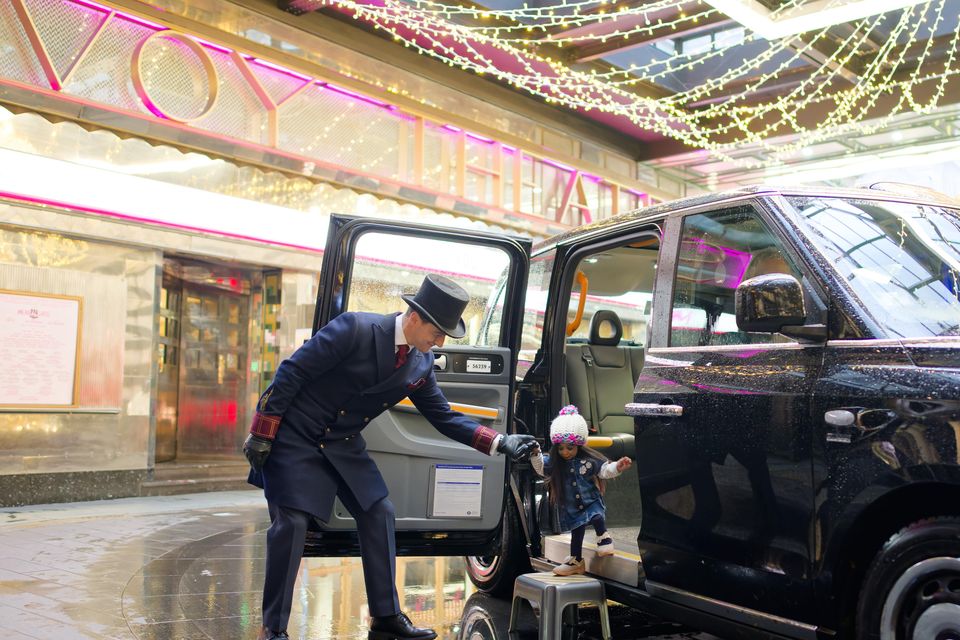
[{"x": 449, "y": 498}]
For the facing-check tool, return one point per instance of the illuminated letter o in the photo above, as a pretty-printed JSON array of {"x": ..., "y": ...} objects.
[{"x": 141, "y": 78}]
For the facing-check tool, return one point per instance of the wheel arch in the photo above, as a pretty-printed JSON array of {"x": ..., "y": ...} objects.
[{"x": 853, "y": 545}]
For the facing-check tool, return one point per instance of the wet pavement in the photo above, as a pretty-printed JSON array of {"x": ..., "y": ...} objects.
[{"x": 190, "y": 567}]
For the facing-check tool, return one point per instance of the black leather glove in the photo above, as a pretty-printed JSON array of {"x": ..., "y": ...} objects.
[
  {"x": 256, "y": 449},
  {"x": 518, "y": 447}
]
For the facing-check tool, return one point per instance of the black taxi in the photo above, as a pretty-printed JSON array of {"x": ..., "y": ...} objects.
[{"x": 782, "y": 365}]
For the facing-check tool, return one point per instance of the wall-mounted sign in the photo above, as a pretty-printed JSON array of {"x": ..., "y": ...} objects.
[{"x": 39, "y": 348}]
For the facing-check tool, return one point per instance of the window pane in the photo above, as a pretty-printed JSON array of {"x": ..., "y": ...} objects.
[
  {"x": 534, "y": 306},
  {"x": 618, "y": 280},
  {"x": 717, "y": 252},
  {"x": 387, "y": 266},
  {"x": 893, "y": 256}
]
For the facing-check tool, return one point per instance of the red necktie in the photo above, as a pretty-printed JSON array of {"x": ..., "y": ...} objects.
[{"x": 401, "y": 356}]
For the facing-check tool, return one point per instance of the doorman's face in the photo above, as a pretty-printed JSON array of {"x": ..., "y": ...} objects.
[{"x": 423, "y": 335}]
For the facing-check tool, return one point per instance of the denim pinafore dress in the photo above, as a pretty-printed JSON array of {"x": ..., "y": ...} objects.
[{"x": 581, "y": 499}]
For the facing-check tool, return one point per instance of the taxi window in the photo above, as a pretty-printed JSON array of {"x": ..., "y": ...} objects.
[
  {"x": 717, "y": 252},
  {"x": 618, "y": 280},
  {"x": 385, "y": 268}
]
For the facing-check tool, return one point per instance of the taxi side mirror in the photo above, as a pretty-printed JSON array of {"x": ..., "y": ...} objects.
[{"x": 769, "y": 303}]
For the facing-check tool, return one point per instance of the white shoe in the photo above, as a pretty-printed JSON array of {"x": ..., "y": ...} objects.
[
  {"x": 571, "y": 566},
  {"x": 605, "y": 545}
]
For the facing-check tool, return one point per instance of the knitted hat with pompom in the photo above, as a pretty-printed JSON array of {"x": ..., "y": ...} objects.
[{"x": 569, "y": 427}]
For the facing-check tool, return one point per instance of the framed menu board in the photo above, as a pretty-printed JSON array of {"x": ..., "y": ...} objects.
[{"x": 39, "y": 349}]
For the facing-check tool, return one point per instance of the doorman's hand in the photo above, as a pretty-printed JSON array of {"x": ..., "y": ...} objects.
[
  {"x": 256, "y": 449},
  {"x": 518, "y": 447}
]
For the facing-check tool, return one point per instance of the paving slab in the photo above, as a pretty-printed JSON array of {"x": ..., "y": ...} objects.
[{"x": 190, "y": 567}]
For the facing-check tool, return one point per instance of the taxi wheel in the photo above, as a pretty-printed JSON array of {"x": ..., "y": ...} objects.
[
  {"x": 495, "y": 574},
  {"x": 912, "y": 588}
]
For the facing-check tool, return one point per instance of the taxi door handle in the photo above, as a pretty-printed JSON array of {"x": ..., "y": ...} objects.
[{"x": 653, "y": 410}]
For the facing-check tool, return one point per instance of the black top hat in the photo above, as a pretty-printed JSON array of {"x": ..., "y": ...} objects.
[{"x": 441, "y": 301}]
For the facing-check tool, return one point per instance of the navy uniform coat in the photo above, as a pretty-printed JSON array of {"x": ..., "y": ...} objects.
[{"x": 326, "y": 393}]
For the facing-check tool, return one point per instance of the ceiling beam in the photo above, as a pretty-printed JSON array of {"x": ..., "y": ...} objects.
[
  {"x": 599, "y": 48},
  {"x": 780, "y": 82},
  {"x": 543, "y": 48}
]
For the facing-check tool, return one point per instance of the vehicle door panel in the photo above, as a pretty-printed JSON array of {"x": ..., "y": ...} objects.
[
  {"x": 726, "y": 484},
  {"x": 406, "y": 448},
  {"x": 433, "y": 481}
]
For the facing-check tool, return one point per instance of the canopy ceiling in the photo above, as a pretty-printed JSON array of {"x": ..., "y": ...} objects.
[{"x": 774, "y": 76}]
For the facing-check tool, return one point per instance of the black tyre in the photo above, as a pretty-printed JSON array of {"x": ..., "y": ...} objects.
[
  {"x": 912, "y": 589},
  {"x": 495, "y": 574},
  {"x": 484, "y": 618}
]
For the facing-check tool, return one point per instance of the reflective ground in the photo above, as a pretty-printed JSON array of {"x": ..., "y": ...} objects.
[{"x": 191, "y": 568}]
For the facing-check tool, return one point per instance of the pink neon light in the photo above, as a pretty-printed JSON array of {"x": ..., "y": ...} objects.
[
  {"x": 276, "y": 67},
  {"x": 557, "y": 165},
  {"x": 480, "y": 138},
  {"x": 450, "y": 127},
  {"x": 141, "y": 21},
  {"x": 124, "y": 216},
  {"x": 125, "y": 16},
  {"x": 93, "y": 5},
  {"x": 260, "y": 148},
  {"x": 206, "y": 43},
  {"x": 639, "y": 194},
  {"x": 356, "y": 96}
]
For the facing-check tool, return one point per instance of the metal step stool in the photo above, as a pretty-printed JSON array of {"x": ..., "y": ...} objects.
[{"x": 554, "y": 594}]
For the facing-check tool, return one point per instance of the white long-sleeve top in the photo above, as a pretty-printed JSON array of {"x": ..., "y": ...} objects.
[{"x": 607, "y": 471}]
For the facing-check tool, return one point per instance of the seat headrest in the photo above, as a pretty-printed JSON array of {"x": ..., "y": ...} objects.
[{"x": 608, "y": 323}]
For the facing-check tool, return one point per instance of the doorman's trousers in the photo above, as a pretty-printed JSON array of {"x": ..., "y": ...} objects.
[{"x": 285, "y": 542}]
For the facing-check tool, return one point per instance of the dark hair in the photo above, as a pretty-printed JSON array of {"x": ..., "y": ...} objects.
[{"x": 554, "y": 484}]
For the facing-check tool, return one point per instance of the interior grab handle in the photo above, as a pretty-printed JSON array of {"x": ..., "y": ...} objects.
[{"x": 653, "y": 410}]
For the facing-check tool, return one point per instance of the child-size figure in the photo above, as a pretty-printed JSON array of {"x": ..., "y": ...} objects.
[{"x": 575, "y": 478}]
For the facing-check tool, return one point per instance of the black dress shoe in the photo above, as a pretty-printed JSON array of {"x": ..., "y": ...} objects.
[
  {"x": 270, "y": 634},
  {"x": 398, "y": 627}
]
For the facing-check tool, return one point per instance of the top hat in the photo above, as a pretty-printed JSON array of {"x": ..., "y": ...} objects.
[{"x": 441, "y": 301}]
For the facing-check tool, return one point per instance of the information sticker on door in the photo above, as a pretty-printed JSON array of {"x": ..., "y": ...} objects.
[
  {"x": 479, "y": 366},
  {"x": 457, "y": 490}
]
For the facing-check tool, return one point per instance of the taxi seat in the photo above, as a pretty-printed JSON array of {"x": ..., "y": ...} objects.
[{"x": 602, "y": 373}]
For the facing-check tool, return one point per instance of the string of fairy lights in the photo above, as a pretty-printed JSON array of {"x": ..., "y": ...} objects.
[{"x": 851, "y": 90}]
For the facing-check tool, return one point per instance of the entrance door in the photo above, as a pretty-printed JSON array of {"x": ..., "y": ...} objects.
[
  {"x": 448, "y": 497},
  {"x": 168, "y": 367},
  {"x": 212, "y": 371},
  {"x": 203, "y": 360}
]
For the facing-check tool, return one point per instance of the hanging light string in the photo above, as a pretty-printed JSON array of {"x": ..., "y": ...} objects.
[{"x": 430, "y": 29}]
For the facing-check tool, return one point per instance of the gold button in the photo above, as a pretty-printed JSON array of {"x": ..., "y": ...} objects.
[
  {"x": 578, "y": 495},
  {"x": 581, "y": 506},
  {"x": 343, "y": 412},
  {"x": 366, "y": 419},
  {"x": 321, "y": 446},
  {"x": 385, "y": 405}
]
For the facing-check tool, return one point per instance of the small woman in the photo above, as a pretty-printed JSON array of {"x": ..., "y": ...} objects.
[{"x": 576, "y": 476}]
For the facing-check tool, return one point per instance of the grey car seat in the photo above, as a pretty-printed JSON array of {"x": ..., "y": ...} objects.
[{"x": 601, "y": 375}]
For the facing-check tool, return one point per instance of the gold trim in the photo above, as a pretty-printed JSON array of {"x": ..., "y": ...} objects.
[
  {"x": 136, "y": 71},
  {"x": 409, "y": 106},
  {"x": 272, "y": 107}
]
